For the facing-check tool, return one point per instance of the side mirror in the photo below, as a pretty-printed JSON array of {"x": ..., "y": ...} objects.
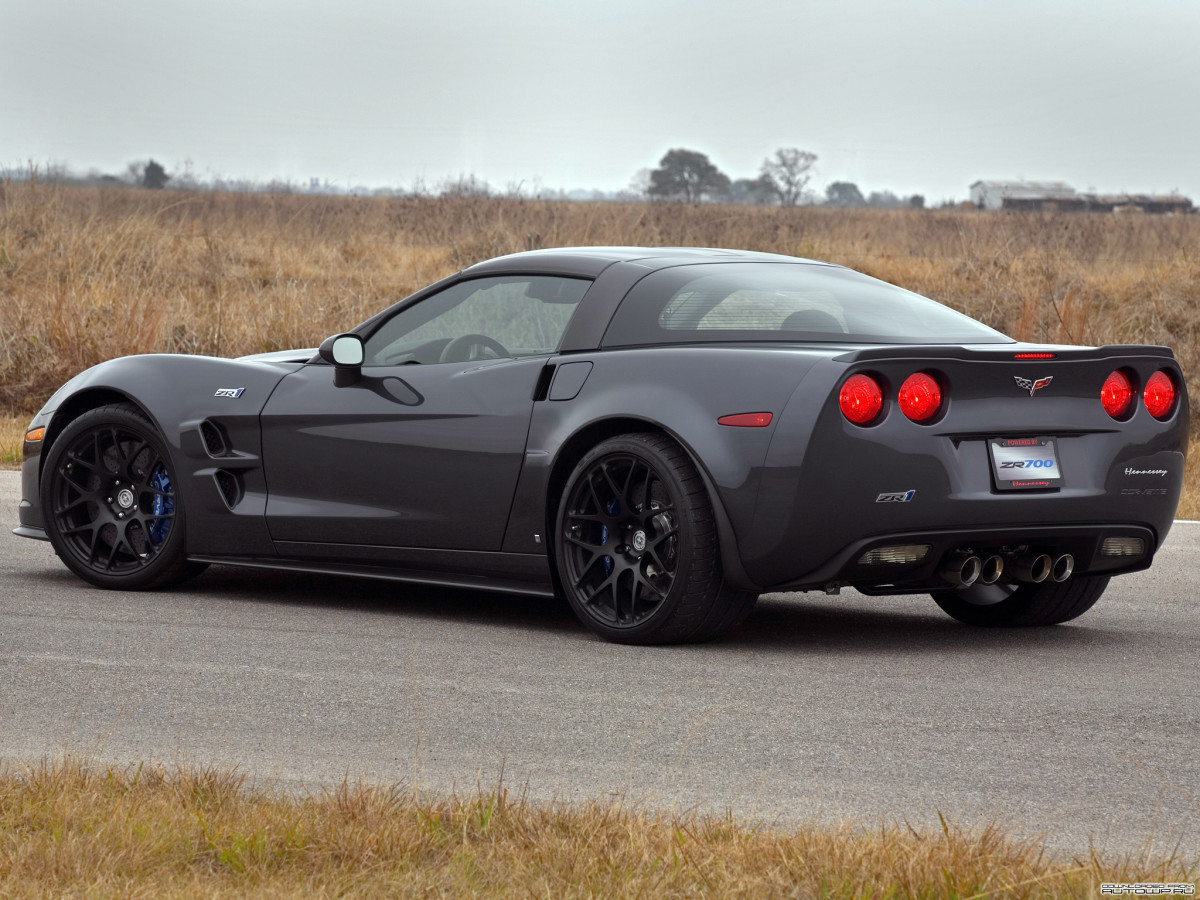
[
  {"x": 345, "y": 351},
  {"x": 342, "y": 350}
]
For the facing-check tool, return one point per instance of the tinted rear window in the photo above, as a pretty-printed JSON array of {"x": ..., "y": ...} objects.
[{"x": 783, "y": 302}]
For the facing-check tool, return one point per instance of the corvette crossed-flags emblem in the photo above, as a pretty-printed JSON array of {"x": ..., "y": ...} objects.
[{"x": 1031, "y": 385}]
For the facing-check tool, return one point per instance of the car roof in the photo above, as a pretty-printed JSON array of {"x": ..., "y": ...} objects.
[{"x": 591, "y": 261}]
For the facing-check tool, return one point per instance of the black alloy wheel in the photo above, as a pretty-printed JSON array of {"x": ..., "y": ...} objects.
[
  {"x": 1018, "y": 605},
  {"x": 112, "y": 505},
  {"x": 636, "y": 546}
]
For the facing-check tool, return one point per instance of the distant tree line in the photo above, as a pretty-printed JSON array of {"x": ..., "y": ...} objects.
[
  {"x": 682, "y": 175},
  {"x": 690, "y": 176}
]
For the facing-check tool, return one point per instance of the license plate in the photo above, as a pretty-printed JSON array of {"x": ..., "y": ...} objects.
[{"x": 1025, "y": 463}]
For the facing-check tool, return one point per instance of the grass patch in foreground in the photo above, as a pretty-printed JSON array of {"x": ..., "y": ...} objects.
[{"x": 70, "y": 829}]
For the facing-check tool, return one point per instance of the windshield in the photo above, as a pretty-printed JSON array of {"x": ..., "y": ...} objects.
[{"x": 783, "y": 302}]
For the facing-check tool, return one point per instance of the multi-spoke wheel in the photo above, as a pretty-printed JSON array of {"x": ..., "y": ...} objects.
[
  {"x": 112, "y": 505},
  {"x": 1012, "y": 605},
  {"x": 636, "y": 546}
]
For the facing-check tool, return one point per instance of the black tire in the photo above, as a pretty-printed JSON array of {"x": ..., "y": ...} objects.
[
  {"x": 112, "y": 505},
  {"x": 1009, "y": 605},
  {"x": 636, "y": 546}
]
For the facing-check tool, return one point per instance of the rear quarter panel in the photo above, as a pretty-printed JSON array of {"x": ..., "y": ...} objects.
[{"x": 680, "y": 390}]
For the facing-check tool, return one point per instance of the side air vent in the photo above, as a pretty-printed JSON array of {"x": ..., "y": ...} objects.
[
  {"x": 230, "y": 487},
  {"x": 215, "y": 442}
]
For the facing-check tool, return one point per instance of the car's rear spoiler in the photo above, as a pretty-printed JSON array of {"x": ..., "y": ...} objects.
[{"x": 1005, "y": 353}]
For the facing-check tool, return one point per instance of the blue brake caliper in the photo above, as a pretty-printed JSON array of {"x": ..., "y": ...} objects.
[
  {"x": 163, "y": 505},
  {"x": 612, "y": 508}
]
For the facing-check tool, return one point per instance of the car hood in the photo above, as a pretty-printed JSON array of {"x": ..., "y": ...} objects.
[{"x": 281, "y": 356}]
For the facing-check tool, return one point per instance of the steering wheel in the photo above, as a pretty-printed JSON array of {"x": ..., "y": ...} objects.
[{"x": 471, "y": 346}]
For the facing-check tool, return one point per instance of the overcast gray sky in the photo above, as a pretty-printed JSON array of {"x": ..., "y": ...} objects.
[{"x": 920, "y": 96}]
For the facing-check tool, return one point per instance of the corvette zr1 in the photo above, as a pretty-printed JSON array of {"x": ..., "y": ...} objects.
[{"x": 660, "y": 435}]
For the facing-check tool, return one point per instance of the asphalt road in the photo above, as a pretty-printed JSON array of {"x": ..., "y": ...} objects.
[{"x": 820, "y": 708}]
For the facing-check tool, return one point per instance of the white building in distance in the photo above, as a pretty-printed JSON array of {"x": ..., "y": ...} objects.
[
  {"x": 1025, "y": 195},
  {"x": 1057, "y": 195}
]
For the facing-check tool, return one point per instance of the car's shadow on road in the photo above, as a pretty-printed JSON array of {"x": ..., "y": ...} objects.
[
  {"x": 385, "y": 598},
  {"x": 815, "y": 623},
  {"x": 793, "y": 622}
]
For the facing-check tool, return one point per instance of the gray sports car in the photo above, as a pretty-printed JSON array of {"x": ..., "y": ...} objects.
[{"x": 660, "y": 435}]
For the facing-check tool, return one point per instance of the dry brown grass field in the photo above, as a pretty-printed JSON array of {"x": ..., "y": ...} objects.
[
  {"x": 87, "y": 274},
  {"x": 70, "y": 830}
]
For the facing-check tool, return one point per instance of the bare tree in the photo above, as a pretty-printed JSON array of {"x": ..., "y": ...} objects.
[
  {"x": 186, "y": 180},
  {"x": 639, "y": 185},
  {"x": 788, "y": 173},
  {"x": 134, "y": 172}
]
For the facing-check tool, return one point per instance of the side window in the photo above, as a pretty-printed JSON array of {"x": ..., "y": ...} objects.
[
  {"x": 771, "y": 301},
  {"x": 751, "y": 310},
  {"x": 485, "y": 318}
]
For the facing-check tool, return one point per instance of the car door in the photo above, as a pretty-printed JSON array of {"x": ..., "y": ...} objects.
[{"x": 424, "y": 449}]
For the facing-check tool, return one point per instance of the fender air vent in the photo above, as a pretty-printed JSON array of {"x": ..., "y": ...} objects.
[
  {"x": 230, "y": 487},
  {"x": 215, "y": 442}
]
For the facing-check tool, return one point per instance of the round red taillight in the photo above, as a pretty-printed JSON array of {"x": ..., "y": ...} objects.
[
  {"x": 920, "y": 397},
  {"x": 1159, "y": 395},
  {"x": 1117, "y": 394},
  {"x": 860, "y": 399}
]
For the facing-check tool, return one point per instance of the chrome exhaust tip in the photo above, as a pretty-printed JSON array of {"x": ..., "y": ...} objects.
[
  {"x": 1035, "y": 568},
  {"x": 1063, "y": 567},
  {"x": 993, "y": 568},
  {"x": 961, "y": 571}
]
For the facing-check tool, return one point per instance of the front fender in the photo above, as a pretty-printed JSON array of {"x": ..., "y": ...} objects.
[{"x": 178, "y": 393}]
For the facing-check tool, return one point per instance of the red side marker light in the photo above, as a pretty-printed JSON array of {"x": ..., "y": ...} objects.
[
  {"x": 1116, "y": 394},
  {"x": 1159, "y": 394},
  {"x": 860, "y": 399},
  {"x": 1034, "y": 355},
  {"x": 747, "y": 420},
  {"x": 920, "y": 397}
]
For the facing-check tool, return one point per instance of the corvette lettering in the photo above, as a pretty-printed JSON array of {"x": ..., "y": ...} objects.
[
  {"x": 896, "y": 497},
  {"x": 1030, "y": 385},
  {"x": 229, "y": 392}
]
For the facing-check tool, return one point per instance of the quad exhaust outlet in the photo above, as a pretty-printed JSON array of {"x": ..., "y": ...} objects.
[
  {"x": 1032, "y": 568},
  {"x": 992, "y": 569},
  {"x": 1036, "y": 568},
  {"x": 961, "y": 571},
  {"x": 1063, "y": 567}
]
